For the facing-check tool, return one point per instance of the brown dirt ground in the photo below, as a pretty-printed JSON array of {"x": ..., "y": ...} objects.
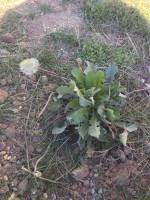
[{"x": 112, "y": 176}]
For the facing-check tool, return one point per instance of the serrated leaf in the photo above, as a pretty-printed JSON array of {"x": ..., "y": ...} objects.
[
  {"x": 58, "y": 130},
  {"x": 84, "y": 102},
  {"x": 110, "y": 73},
  {"x": 62, "y": 90},
  {"x": 123, "y": 137},
  {"x": 80, "y": 115},
  {"x": 94, "y": 128},
  {"x": 29, "y": 66},
  {"x": 78, "y": 75}
]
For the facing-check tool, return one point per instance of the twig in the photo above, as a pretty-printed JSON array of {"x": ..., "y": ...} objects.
[
  {"x": 26, "y": 124},
  {"x": 44, "y": 108},
  {"x": 138, "y": 90},
  {"x": 39, "y": 160},
  {"x": 40, "y": 177}
]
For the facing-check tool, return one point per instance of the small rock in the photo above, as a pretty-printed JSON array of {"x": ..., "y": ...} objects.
[
  {"x": 3, "y": 95},
  {"x": 96, "y": 175},
  {"x": 81, "y": 172},
  {"x": 4, "y": 189},
  {"x": 45, "y": 196},
  {"x": 7, "y": 38},
  {"x": 23, "y": 186}
]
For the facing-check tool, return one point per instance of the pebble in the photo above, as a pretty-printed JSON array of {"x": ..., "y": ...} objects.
[{"x": 45, "y": 196}]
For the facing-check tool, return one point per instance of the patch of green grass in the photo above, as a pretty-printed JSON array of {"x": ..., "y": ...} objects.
[
  {"x": 104, "y": 54},
  {"x": 47, "y": 59},
  {"x": 117, "y": 14},
  {"x": 66, "y": 38}
]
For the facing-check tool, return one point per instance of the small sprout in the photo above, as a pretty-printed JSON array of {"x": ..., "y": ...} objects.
[{"x": 29, "y": 66}]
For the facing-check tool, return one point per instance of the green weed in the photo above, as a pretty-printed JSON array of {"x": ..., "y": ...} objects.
[
  {"x": 104, "y": 54},
  {"x": 47, "y": 59}
]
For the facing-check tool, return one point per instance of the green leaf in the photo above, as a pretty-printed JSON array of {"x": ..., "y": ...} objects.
[
  {"x": 62, "y": 90},
  {"x": 99, "y": 76},
  {"x": 81, "y": 115},
  {"x": 74, "y": 104},
  {"x": 100, "y": 110},
  {"x": 90, "y": 68},
  {"x": 74, "y": 87},
  {"x": 78, "y": 75},
  {"x": 94, "y": 128},
  {"x": 112, "y": 115},
  {"x": 58, "y": 130},
  {"x": 83, "y": 130},
  {"x": 84, "y": 102},
  {"x": 110, "y": 73},
  {"x": 91, "y": 92},
  {"x": 90, "y": 80}
]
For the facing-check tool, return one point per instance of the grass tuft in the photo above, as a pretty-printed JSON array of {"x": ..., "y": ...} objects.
[
  {"x": 117, "y": 14},
  {"x": 104, "y": 54},
  {"x": 66, "y": 38}
]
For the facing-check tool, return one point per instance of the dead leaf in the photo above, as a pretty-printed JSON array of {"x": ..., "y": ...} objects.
[{"x": 3, "y": 95}]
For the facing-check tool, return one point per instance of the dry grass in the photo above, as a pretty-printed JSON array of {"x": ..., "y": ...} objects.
[{"x": 6, "y": 5}]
